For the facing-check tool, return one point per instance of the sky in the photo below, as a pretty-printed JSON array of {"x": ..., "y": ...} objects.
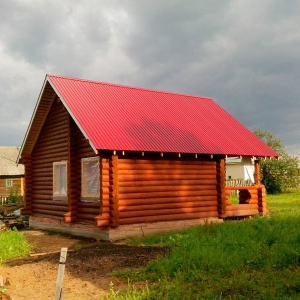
[{"x": 245, "y": 54}]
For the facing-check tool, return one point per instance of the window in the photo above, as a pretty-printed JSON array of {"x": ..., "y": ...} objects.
[
  {"x": 60, "y": 180},
  {"x": 90, "y": 185},
  {"x": 9, "y": 183}
]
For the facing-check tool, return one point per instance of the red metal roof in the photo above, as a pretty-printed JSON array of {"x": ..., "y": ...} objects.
[{"x": 116, "y": 117}]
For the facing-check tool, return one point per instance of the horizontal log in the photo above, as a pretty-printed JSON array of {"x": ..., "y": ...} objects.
[
  {"x": 166, "y": 182},
  {"x": 164, "y": 162},
  {"x": 104, "y": 216},
  {"x": 199, "y": 201},
  {"x": 48, "y": 161},
  {"x": 174, "y": 188},
  {"x": 242, "y": 213},
  {"x": 86, "y": 216},
  {"x": 41, "y": 197},
  {"x": 162, "y": 206},
  {"x": 167, "y": 172},
  {"x": 104, "y": 203},
  {"x": 171, "y": 167},
  {"x": 167, "y": 194},
  {"x": 88, "y": 209},
  {"x": 40, "y": 165},
  {"x": 253, "y": 202},
  {"x": 49, "y": 212},
  {"x": 42, "y": 188},
  {"x": 95, "y": 205},
  {"x": 52, "y": 145},
  {"x": 171, "y": 211},
  {"x": 241, "y": 207},
  {"x": 160, "y": 218},
  {"x": 105, "y": 190},
  {"x": 51, "y": 158},
  {"x": 155, "y": 177},
  {"x": 47, "y": 171},
  {"x": 40, "y": 179},
  {"x": 50, "y": 206},
  {"x": 101, "y": 222}
]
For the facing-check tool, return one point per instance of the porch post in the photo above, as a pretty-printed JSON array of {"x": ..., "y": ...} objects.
[
  {"x": 221, "y": 186},
  {"x": 257, "y": 171},
  {"x": 113, "y": 192}
]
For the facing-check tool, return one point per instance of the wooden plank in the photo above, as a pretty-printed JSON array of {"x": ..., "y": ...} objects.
[{"x": 60, "y": 274}]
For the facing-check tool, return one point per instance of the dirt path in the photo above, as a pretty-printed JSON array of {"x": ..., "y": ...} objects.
[{"x": 89, "y": 267}]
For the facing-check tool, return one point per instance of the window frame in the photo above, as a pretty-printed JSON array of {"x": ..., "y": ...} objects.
[
  {"x": 85, "y": 195},
  {"x": 9, "y": 183},
  {"x": 58, "y": 195}
]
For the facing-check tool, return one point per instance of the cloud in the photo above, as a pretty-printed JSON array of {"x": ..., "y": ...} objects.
[{"x": 244, "y": 54}]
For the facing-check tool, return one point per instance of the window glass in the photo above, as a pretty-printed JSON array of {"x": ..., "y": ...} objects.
[
  {"x": 60, "y": 179},
  {"x": 8, "y": 183},
  {"x": 90, "y": 177}
]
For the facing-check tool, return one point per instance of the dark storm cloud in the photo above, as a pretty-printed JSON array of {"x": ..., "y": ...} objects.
[{"x": 244, "y": 54}]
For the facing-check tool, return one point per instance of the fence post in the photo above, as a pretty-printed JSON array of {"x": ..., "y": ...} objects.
[{"x": 60, "y": 274}]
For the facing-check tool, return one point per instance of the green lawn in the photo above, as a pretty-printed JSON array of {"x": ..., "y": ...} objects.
[
  {"x": 253, "y": 259},
  {"x": 12, "y": 244}
]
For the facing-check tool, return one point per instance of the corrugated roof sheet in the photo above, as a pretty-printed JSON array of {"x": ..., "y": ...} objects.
[
  {"x": 8, "y": 158},
  {"x": 116, "y": 117}
]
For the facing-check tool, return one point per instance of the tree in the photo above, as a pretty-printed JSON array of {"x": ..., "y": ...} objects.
[{"x": 278, "y": 175}]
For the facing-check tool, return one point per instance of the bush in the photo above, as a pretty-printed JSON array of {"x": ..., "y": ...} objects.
[
  {"x": 278, "y": 175},
  {"x": 13, "y": 196}
]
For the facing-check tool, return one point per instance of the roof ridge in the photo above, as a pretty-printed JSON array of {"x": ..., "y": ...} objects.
[{"x": 130, "y": 87}]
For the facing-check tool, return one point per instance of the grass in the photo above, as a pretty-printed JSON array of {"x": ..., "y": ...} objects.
[
  {"x": 253, "y": 259},
  {"x": 13, "y": 244}
]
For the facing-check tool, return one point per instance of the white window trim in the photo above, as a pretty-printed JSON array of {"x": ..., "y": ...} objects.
[
  {"x": 85, "y": 195},
  {"x": 56, "y": 195}
]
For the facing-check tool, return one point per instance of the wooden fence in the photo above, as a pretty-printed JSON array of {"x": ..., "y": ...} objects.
[
  {"x": 6, "y": 200},
  {"x": 239, "y": 183}
]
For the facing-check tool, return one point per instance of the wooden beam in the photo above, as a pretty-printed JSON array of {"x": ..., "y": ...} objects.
[
  {"x": 257, "y": 171},
  {"x": 221, "y": 187},
  {"x": 114, "y": 192}
]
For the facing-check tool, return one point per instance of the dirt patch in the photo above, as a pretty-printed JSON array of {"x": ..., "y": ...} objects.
[{"x": 89, "y": 267}]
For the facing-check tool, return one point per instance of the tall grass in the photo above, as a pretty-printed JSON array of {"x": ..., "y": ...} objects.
[
  {"x": 12, "y": 244},
  {"x": 253, "y": 259}
]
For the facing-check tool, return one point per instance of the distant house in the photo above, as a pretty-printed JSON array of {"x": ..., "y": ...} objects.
[
  {"x": 112, "y": 161},
  {"x": 240, "y": 167},
  {"x": 11, "y": 174}
]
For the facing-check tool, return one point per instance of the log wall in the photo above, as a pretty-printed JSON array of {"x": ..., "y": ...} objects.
[
  {"x": 85, "y": 212},
  {"x": 51, "y": 146},
  {"x": 163, "y": 190}
]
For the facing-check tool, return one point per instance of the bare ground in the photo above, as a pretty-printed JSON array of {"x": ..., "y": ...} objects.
[{"x": 88, "y": 272}]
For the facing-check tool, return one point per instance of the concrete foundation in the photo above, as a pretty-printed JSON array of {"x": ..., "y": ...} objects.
[{"x": 119, "y": 233}]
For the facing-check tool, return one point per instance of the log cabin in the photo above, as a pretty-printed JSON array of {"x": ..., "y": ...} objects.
[{"x": 110, "y": 161}]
